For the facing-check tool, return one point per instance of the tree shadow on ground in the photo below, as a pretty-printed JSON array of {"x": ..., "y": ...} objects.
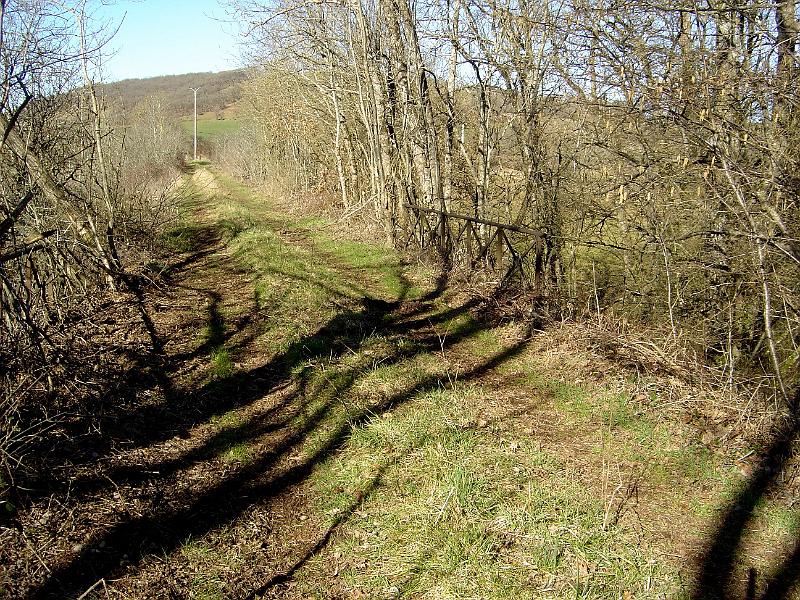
[
  {"x": 115, "y": 415},
  {"x": 720, "y": 562},
  {"x": 294, "y": 420},
  {"x": 118, "y": 418},
  {"x": 285, "y": 575},
  {"x": 192, "y": 515}
]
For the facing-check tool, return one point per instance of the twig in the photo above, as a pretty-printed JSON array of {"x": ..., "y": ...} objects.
[
  {"x": 89, "y": 591},
  {"x": 609, "y": 505},
  {"x": 444, "y": 506},
  {"x": 36, "y": 553}
]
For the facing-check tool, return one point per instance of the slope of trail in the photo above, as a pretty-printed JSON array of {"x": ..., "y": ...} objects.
[{"x": 319, "y": 420}]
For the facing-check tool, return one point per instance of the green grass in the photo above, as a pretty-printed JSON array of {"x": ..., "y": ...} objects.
[
  {"x": 300, "y": 285},
  {"x": 620, "y": 428},
  {"x": 213, "y": 338},
  {"x": 383, "y": 265},
  {"x": 353, "y": 268},
  {"x": 451, "y": 512},
  {"x": 186, "y": 235},
  {"x": 782, "y": 520},
  {"x": 229, "y": 419},
  {"x": 423, "y": 500},
  {"x": 221, "y": 363},
  {"x": 182, "y": 238},
  {"x": 209, "y": 127},
  {"x": 226, "y": 443},
  {"x": 209, "y": 569}
]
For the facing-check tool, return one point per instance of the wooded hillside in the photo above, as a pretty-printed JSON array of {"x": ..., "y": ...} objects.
[{"x": 219, "y": 90}]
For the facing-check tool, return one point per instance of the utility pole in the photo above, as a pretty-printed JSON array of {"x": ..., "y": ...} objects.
[{"x": 195, "y": 90}]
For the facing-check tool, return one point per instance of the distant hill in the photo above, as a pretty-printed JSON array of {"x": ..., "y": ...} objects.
[{"x": 218, "y": 91}]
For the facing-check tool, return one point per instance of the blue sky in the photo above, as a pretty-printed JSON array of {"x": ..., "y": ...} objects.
[{"x": 167, "y": 37}]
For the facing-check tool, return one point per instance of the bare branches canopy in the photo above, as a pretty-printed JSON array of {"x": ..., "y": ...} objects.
[{"x": 653, "y": 144}]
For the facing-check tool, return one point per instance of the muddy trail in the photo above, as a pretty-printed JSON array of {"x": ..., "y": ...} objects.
[{"x": 316, "y": 418}]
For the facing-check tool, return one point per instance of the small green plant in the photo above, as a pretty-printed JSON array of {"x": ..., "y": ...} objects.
[
  {"x": 221, "y": 363},
  {"x": 239, "y": 453},
  {"x": 181, "y": 239},
  {"x": 227, "y": 420}
]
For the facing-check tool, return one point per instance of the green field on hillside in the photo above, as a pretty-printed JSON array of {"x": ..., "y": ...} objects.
[{"x": 210, "y": 127}]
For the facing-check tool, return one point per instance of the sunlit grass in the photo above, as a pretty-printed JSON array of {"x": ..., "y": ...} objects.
[
  {"x": 209, "y": 127},
  {"x": 464, "y": 502},
  {"x": 449, "y": 511},
  {"x": 227, "y": 442},
  {"x": 221, "y": 363},
  {"x": 208, "y": 569}
]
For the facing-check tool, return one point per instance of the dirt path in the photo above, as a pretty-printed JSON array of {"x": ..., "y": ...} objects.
[
  {"x": 317, "y": 422},
  {"x": 212, "y": 449}
]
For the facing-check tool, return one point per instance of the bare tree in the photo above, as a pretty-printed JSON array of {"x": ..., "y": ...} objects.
[
  {"x": 654, "y": 146},
  {"x": 60, "y": 204}
]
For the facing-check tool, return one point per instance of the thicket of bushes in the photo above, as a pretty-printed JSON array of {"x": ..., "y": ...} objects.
[
  {"x": 656, "y": 147},
  {"x": 83, "y": 194}
]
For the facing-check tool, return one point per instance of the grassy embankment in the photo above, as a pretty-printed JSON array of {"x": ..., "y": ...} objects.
[{"x": 453, "y": 458}]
